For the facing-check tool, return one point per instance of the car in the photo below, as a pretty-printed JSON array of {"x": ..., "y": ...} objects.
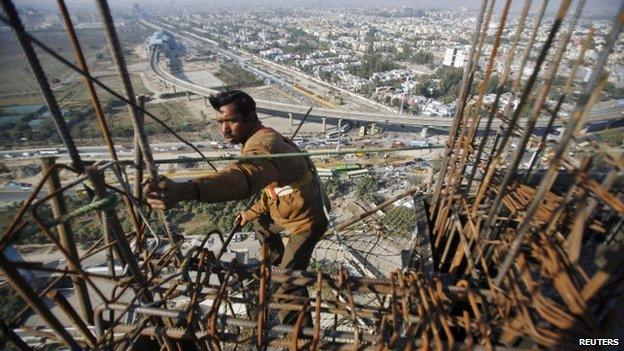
[
  {"x": 8, "y": 156},
  {"x": 11, "y": 185}
]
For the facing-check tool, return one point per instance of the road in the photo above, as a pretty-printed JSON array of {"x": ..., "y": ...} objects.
[{"x": 600, "y": 114}]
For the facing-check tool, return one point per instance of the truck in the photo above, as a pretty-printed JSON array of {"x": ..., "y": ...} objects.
[
  {"x": 418, "y": 143},
  {"x": 357, "y": 174}
]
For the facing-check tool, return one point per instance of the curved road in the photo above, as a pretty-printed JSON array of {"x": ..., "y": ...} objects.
[{"x": 599, "y": 115}]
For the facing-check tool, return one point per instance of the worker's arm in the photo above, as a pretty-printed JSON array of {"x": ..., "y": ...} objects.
[
  {"x": 165, "y": 193},
  {"x": 235, "y": 182},
  {"x": 238, "y": 181}
]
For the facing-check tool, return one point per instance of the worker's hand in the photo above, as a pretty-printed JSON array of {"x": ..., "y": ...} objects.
[
  {"x": 165, "y": 193},
  {"x": 240, "y": 218}
]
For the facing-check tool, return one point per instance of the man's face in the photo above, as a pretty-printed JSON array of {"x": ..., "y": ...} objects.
[{"x": 232, "y": 126}]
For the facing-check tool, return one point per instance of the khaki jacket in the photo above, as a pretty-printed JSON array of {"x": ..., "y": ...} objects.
[{"x": 290, "y": 191}]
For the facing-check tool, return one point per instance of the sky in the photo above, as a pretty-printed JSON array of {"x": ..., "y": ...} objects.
[{"x": 592, "y": 6}]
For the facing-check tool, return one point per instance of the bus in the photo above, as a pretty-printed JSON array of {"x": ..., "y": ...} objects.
[
  {"x": 357, "y": 174},
  {"x": 346, "y": 167}
]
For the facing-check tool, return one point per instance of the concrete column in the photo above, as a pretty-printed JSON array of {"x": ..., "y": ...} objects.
[
  {"x": 290, "y": 117},
  {"x": 324, "y": 119},
  {"x": 174, "y": 89},
  {"x": 206, "y": 101},
  {"x": 424, "y": 132},
  {"x": 188, "y": 95},
  {"x": 339, "y": 123}
]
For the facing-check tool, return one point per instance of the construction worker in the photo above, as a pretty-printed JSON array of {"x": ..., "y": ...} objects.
[{"x": 290, "y": 198}]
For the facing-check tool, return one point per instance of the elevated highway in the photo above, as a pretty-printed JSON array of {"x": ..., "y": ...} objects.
[{"x": 600, "y": 117}]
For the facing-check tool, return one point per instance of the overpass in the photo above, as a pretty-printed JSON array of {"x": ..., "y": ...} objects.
[{"x": 601, "y": 116}]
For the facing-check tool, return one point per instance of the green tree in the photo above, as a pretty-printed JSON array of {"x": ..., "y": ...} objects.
[
  {"x": 406, "y": 52},
  {"x": 611, "y": 92},
  {"x": 450, "y": 78},
  {"x": 414, "y": 109},
  {"x": 10, "y": 303},
  {"x": 493, "y": 84},
  {"x": 395, "y": 102},
  {"x": 400, "y": 220},
  {"x": 422, "y": 57},
  {"x": 431, "y": 89},
  {"x": 366, "y": 189},
  {"x": 332, "y": 188}
]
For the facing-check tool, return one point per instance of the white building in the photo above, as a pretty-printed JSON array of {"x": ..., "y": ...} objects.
[
  {"x": 455, "y": 57},
  {"x": 583, "y": 73}
]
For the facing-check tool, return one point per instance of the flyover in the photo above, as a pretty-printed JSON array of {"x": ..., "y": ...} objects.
[{"x": 602, "y": 116}]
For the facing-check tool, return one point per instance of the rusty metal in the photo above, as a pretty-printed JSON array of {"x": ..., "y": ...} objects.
[
  {"x": 23, "y": 288},
  {"x": 66, "y": 236},
  {"x": 8, "y": 334},
  {"x": 71, "y": 313}
]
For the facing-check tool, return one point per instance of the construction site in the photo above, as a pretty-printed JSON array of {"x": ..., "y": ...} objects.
[{"x": 518, "y": 241}]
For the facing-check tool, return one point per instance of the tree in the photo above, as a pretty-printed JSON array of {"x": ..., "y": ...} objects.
[
  {"x": 400, "y": 220},
  {"x": 422, "y": 57},
  {"x": 414, "y": 109},
  {"x": 22, "y": 130},
  {"x": 372, "y": 63},
  {"x": 10, "y": 304},
  {"x": 493, "y": 84},
  {"x": 611, "y": 92},
  {"x": 431, "y": 88},
  {"x": 450, "y": 77},
  {"x": 406, "y": 52},
  {"x": 366, "y": 189},
  {"x": 332, "y": 188},
  {"x": 370, "y": 35}
]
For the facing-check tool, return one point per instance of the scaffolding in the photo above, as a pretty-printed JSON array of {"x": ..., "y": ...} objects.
[{"x": 517, "y": 245}]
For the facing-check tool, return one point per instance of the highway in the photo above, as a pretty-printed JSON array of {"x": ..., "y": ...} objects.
[{"x": 598, "y": 115}]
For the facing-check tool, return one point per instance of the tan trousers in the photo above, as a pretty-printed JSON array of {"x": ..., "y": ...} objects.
[{"x": 296, "y": 255}]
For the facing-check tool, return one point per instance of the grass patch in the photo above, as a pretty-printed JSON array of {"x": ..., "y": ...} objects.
[{"x": 15, "y": 73}]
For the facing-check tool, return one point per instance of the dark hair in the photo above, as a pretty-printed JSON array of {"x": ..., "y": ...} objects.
[{"x": 243, "y": 103}]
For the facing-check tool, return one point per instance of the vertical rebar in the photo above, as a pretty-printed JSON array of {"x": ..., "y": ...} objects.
[
  {"x": 66, "y": 237},
  {"x": 118, "y": 59},
  {"x": 95, "y": 101},
  {"x": 522, "y": 104},
  {"x": 461, "y": 101},
  {"x": 110, "y": 219}
]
